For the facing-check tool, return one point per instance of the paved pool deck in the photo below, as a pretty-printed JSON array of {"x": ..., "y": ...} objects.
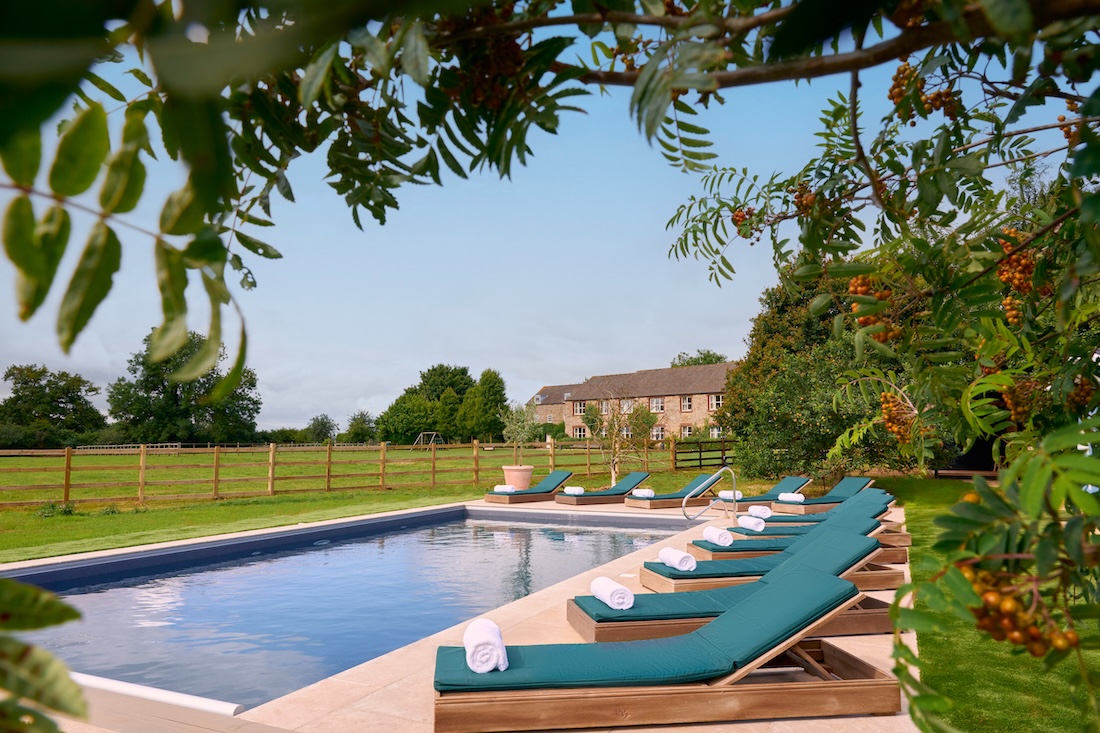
[{"x": 394, "y": 692}]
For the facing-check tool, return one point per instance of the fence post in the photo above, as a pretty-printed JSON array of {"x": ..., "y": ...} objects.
[
  {"x": 552, "y": 445},
  {"x": 217, "y": 467},
  {"x": 672, "y": 452},
  {"x": 271, "y": 469},
  {"x": 328, "y": 468},
  {"x": 141, "y": 475},
  {"x": 382, "y": 466},
  {"x": 68, "y": 471},
  {"x": 477, "y": 466},
  {"x": 588, "y": 458},
  {"x": 433, "y": 464}
]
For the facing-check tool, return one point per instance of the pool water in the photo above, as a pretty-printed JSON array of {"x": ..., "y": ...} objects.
[{"x": 248, "y": 631}]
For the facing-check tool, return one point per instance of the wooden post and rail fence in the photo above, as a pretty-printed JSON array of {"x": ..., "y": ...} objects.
[{"x": 175, "y": 472}]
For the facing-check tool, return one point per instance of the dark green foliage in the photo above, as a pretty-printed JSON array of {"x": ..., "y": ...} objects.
[
  {"x": 702, "y": 356},
  {"x": 436, "y": 380},
  {"x": 58, "y": 400},
  {"x": 479, "y": 415},
  {"x": 151, "y": 407},
  {"x": 410, "y": 414},
  {"x": 361, "y": 428},
  {"x": 320, "y": 429}
]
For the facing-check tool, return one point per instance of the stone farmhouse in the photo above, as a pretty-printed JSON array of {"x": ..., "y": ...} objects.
[{"x": 683, "y": 398}]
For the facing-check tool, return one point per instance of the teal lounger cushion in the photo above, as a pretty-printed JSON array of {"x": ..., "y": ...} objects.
[
  {"x": 846, "y": 488},
  {"x": 788, "y": 485},
  {"x": 833, "y": 553},
  {"x": 775, "y": 613},
  {"x": 552, "y": 481},
  {"x": 768, "y": 544},
  {"x": 855, "y": 523},
  {"x": 624, "y": 486},
  {"x": 821, "y": 551},
  {"x": 694, "y": 484}
]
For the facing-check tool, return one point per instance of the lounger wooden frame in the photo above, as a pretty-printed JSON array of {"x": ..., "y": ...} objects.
[
  {"x": 839, "y": 682},
  {"x": 637, "y": 502},
  {"x": 520, "y": 498},
  {"x": 792, "y": 508},
  {"x": 866, "y": 575},
  {"x": 887, "y": 554},
  {"x": 585, "y": 499},
  {"x": 867, "y": 616}
]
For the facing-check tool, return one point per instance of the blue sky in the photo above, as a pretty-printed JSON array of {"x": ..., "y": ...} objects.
[{"x": 558, "y": 274}]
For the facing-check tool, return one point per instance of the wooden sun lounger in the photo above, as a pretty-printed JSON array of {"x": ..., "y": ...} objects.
[
  {"x": 866, "y": 576},
  {"x": 676, "y": 498},
  {"x": 545, "y": 490},
  {"x": 820, "y": 680},
  {"x": 887, "y": 554},
  {"x": 867, "y": 616},
  {"x": 889, "y": 536},
  {"x": 811, "y": 508}
]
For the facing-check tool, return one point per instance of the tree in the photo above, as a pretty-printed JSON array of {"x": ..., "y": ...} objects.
[
  {"x": 410, "y": 415},
  {"x": 155, "y": 406},
  {"x": 482, "y": 405},
  {"x": 449, "y": 405},
  {"x": 702, "y": 356},
  {"x": 986, "y": 303},
  {"x": 520, "y": 426},
  {"x": 52, "y": 408},
  {"x": 437, "y": 379},
  {"x": 361, "y": 428},
  {"x": 620, "y": 435},
  {"x": 321, "y": 428}
]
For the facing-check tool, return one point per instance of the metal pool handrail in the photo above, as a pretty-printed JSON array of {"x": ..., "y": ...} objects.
[{"x": 705, "y": 486}]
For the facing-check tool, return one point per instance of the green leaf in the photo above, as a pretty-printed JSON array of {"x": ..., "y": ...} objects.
[
  {"x": 820, "y": 304},
  {"x": 919, "y": 621},
  {"x": 203, "y": 139},
  {"x": 230, "y": 381},
  {"x": 90, "y": 283},
  {"x": 52, "y": 237},
  {"x": 1009, "y": 17},
  {"x": 124, "y": 182},
  {"x": 34, "y": 674},
  {"x": 206, "y": 248},
  {"x": 414, "y": 54},
  {"x": 27, "y": 607},
  {"x": 807, "y": 272},
  {"x": 172, "y": 281},
  {"x": 315, "y": 74},
  {"x": 80, "y": 152},
  {"x": 207, "y": 357},
  {"x": 102, "y": 85},
  {"x": 182, "y": 213},
  {"x": 21, "y": 156},
  {"x": 19, "y": 242},
  {"x": 257, "y": 247}
]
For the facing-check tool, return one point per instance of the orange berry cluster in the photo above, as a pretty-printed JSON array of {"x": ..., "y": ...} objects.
[
  {"x": 1004, "y": 617},
  {"x": 909, "y": 13},
  {"x": 1084, "y": 389},
  {"x": 1017, "y": 269},
  {"x": 1071, "y": 132},
  {"x": 860, "y": 285},
  {"x": 900, "y": 83},
  {"x": 1021, "y": 398},
  {"x": 897, "y": 417},
  {"x": 740, "y": 216},
  {"x": 804, "y": 198},
  {"x": 673, "y": 9},
  {"x": 1013, "y": 314},
  {"x": 944, "y": 100}
]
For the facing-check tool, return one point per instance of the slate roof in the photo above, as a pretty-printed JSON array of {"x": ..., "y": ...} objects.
[
  {"x": 671, "y": 381},
  {"x": 555, "y": 394}
]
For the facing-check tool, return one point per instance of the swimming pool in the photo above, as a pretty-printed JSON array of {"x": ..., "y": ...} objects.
[{"x": 267, "y": 622}]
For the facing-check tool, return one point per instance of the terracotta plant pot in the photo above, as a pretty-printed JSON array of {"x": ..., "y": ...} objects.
[{"x": 518, "y": 476}]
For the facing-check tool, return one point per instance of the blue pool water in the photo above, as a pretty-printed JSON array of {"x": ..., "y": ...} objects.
[{"x": 254, "y": 629}]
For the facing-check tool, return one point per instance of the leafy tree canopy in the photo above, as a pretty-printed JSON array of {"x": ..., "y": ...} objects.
[
  {"x": 361, "y": 428},
  {"x": 410, "y": 415},
  {"x": 437, "y": 379},
  {"x": 702, "y": 356},
  {"x": 321, "y": 428},
  {"x": 154, "y": 407},
  {"x": 40, "y": 397}
]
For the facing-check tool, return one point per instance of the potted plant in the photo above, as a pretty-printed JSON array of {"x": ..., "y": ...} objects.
[{"x": 520, "y": 427}]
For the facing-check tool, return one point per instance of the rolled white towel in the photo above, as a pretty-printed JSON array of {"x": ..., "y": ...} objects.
[
  {"x": 753, "y": 524},
  {"x": 718, "y": 536},
  {"x": 644, "y": 493},
  {"x": 792, "y": 498},
  {"x": 676, "y": 559},
  {"x": 504, "y": 489},
  {"x": 731, "y": 495},
  {"x": 574, "y": 490},
  {"x": 615, "y": 595},
  {"x": 484, "y": 646},
  {"x": 760, "y": 511}
]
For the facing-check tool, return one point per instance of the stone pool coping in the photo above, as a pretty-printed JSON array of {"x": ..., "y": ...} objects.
[{"x": 394, "y": 692}]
